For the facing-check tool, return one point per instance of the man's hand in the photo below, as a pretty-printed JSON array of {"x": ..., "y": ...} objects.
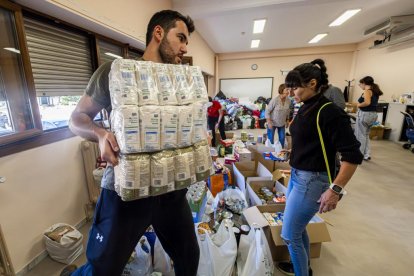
[
  {"x": 329, "y": 200},
  {"x": 108, "y": 146}
]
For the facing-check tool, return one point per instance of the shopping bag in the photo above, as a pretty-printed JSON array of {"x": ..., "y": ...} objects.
[
  {"x": 259, "y": 259},
  {"x": 230, "y": 193},
  {"x": 244, "y": 247},
  {"x": 223, "y": 250},
  {"x": 140, "y": 262},
  {"x": 162, "y": 262},
  {"x": 219, "y": 182},
  {"x": 205, "y": 263}
]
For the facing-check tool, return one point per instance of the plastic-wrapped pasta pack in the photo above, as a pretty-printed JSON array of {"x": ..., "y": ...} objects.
[
  {"x": 184, "y": 168},
  {"x": 166, "y": 91},
  {"x": 199, "y": 122},
  {"x": 132, "y": 176},
  {"x": 147, "y": 90},
  {"x": 125, "y": 125},
  {"x": 202, "y": 160},
  {"x": 169, "y": 127},
  {"x": 162, "y": 172},
  {"x": 180, "y": 84},
  {"x": 185, "y": 126},
  {"x": 122, "y": 83},
  {"x": 150, "y": 128},
  {"x": 196, "y": 84}
]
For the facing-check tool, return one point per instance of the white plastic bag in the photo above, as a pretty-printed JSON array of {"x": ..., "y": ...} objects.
[
  {"x": 230, "y": 193},
  {"x": 259, "y": 259},
  {"x": 205, "y": 263},
  {"x": 162, "y": 262},
  {"x": 244, "y": 247},
  {"x": 223, "y": 250},
  {"x": 140, "y": 262}
]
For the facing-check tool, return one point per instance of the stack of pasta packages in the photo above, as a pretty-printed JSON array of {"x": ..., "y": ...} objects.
[{"x": 159, "y": 120}]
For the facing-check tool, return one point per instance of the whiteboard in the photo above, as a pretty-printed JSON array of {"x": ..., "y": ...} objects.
[{"x": 251, "y": 88}]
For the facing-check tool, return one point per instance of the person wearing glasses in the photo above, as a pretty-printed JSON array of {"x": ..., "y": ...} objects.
[{"x": 312, "y": 186}]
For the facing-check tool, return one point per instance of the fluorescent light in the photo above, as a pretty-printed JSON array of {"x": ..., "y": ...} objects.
[
  {"x": 317, "y": 38},
  {"x": 255, "y": 43},
  {"x": 344, "y": 17},
  {"x": 258, "y": 26},
  {"x": 113, "y": 55},
  {"x": 12, "y": 50}
]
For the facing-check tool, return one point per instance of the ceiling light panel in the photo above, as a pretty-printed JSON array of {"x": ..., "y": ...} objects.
[
  {"x": 344, "y": 17},
  {"x": 317, "y": 38},
  {"x": 255, "y": 43},
  {"x": 258, "y": 26}
]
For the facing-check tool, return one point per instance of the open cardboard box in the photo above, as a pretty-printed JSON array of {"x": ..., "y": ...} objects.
[
  {"x": 253, "y": 188},
  {"x": 317, "y": 231},
  {"x": 245, "y": 172},
  {"x": 257, "y": 156}
]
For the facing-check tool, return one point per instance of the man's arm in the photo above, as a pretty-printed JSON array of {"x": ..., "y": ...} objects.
[{"x": 81, "y": 123}]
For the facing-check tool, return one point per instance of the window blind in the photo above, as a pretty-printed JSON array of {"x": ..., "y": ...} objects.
[
  {"x": 60, "y": 59},
  {"x": 106, "y": 48}
]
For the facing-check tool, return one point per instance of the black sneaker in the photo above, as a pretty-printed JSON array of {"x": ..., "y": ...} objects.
[
  {"x": 68, "y": 270},
  {"x": 286, "y": 268}
]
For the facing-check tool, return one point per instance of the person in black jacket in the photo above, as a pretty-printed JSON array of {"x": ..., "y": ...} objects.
[{"x": 311, "y": 188}]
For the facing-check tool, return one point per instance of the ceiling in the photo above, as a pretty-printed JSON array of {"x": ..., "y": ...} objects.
[{"x": 226, "y": 25}]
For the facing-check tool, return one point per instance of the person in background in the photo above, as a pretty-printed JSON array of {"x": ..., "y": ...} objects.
[
  {"x": 118, "y": 225},
  {"x": 215, "y": 120},
  {"x": 277, "y": 115},
  {"x": 310, "y": 187},
  {"x": 367, "y": 113}
]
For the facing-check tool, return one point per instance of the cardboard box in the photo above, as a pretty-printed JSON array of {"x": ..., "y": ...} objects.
[
  {"x": 257, "y": 155},
  {"x": 351, "y": 107},
  {"x": 243, "y": 154},
  {"x": 244, "y": 172},
  {"x": 253, "y": 188},
  {"x": 317, "y": 231},
  {"x": 376, "y": 133},
  {"x": 282, "y": 175}
]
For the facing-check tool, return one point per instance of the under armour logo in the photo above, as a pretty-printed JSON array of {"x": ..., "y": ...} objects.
[{"x": 99, "y": 237}]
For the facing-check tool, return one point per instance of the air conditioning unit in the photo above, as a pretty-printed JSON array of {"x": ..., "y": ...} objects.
[{"x": 395, "y": 30}]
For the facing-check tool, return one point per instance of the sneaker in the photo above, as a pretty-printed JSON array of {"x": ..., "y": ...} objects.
[
  {"x": 367, "y": 158},
  {"x": 286, "y": 268},
  {"x": 67, "y": 270}
]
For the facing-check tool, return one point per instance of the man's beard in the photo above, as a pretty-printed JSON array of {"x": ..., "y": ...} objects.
[{"x": 166, "y": 52}]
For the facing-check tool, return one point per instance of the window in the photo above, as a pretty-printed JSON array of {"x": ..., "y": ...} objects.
[
  {"x": 17, "y": 105},
  {"x": 134, "y": 53},
  {"x": 109, "y": 51},
  {"x": 62, "y": 65}
]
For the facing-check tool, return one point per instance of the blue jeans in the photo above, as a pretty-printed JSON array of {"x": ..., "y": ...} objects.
[
  {"x": 304, "y": 190},
  {"x": 280, "y": 132}
]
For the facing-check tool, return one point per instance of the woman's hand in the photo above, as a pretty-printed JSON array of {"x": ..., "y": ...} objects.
[{"x": 329, "y": 200}]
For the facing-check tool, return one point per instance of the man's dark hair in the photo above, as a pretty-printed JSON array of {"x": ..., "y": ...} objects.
[{"x": 166, "y": 19}]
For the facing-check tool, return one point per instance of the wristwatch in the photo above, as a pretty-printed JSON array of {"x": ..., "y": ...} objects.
[{"x": 337, "y": 189}]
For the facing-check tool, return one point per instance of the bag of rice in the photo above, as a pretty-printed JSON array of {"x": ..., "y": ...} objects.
[
  {"x": 203, "y": 161},
  {"x": 125, "y": 125},
  {"x": 132, "y": 176},
  {"x": 199, "y": 122},
  {"x": 149, "y": 119},
  {"x": 166, "y": 92},
  {"x": 162, "y": 172},
  {"x": 169, "y": 127},
  {"x": 122, "y": 83},
  {"x": 180, "y": 84},
  {"x": 184, "y": 168},
  {"x": 185, "y": 126},
  {"x": 196, "y": 83},
  {"x": 147, "y": 90}
]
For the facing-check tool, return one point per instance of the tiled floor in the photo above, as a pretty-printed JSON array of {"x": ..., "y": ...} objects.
[{"x": 372, "y": 229}]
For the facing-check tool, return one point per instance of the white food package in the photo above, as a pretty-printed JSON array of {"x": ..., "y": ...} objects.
[
  {"x": 199, "y": 122},
  {"x": 196, "y": 83},
  {"x": 184, "y": 168},
  {"x": 162, "y": 172},
  {"x": 169, "y": 127},
  {"x": 180, "y": 84},
  {"x": 125, "y": 125},
  {"x": 166, "y": 91},
  {"x": 122, "y": 83},
  {"x": 132, "y": 176},
  {"x": 147, "y": 89},
  {"x": 149, "y": 119},
  {"x": 202, "y": 160},
  {"x": 185, "y": 126}
]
